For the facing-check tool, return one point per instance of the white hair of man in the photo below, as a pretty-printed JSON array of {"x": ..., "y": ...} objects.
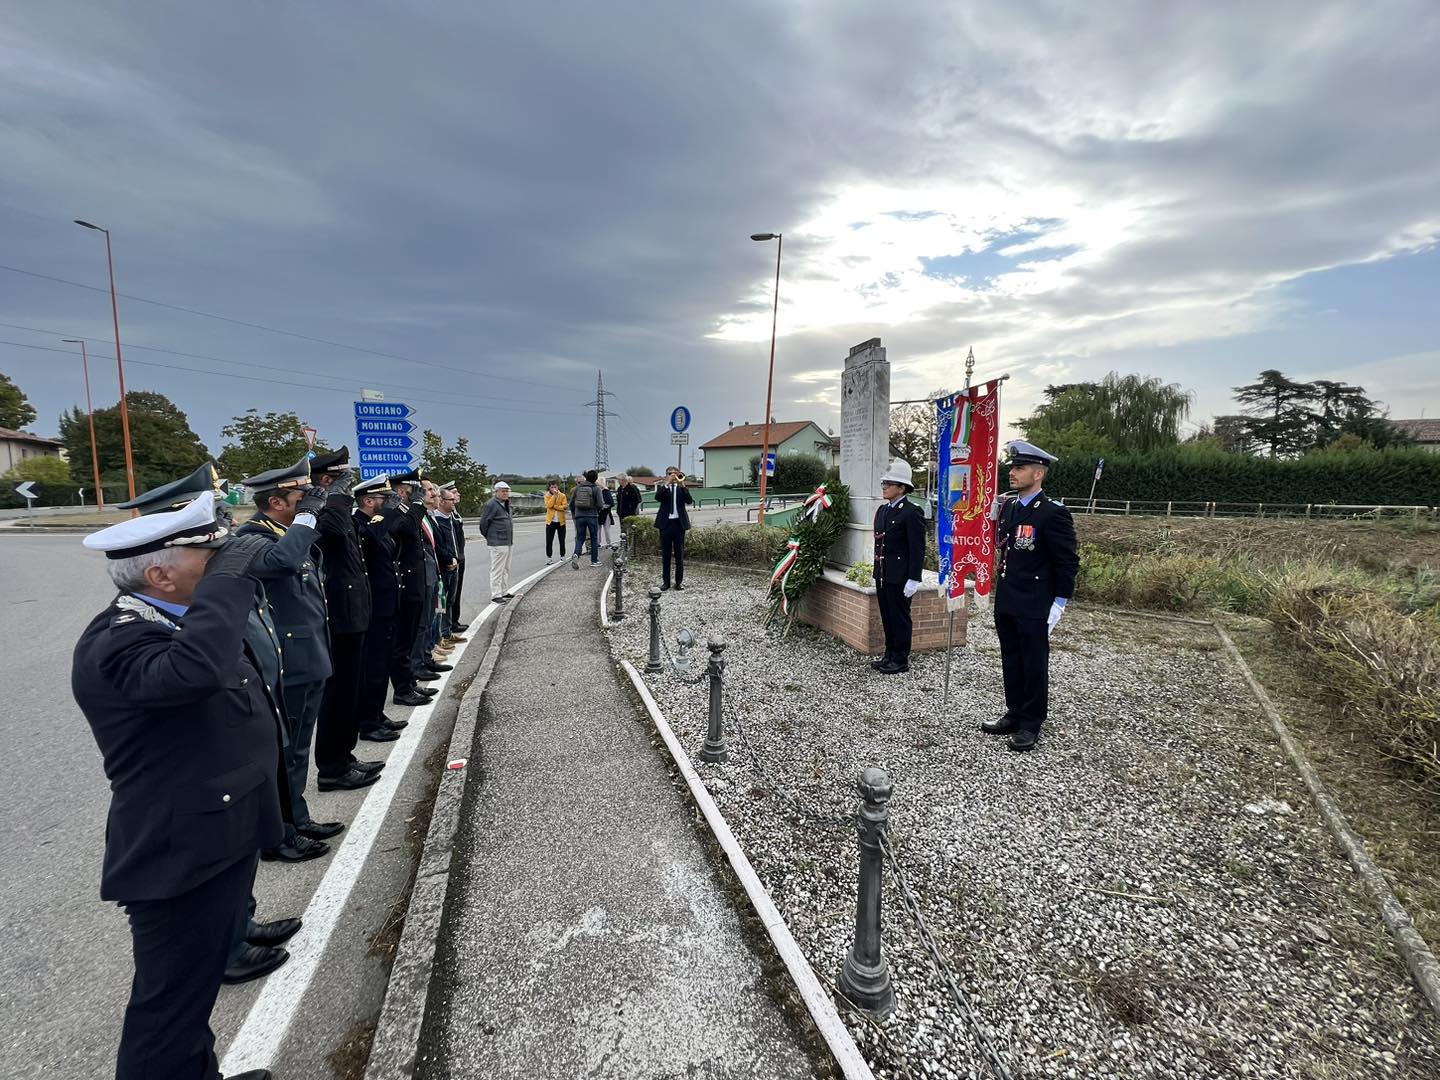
[{"x": 128, "y": 575}]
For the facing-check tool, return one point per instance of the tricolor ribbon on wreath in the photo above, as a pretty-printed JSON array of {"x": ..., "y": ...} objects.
[
  {"x": 815, "y": 503},
  {"x": 781, "y": 573}
]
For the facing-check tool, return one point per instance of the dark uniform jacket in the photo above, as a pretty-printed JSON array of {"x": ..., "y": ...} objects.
[
  {"x": 290, "y": 573},
  {"x": 189, "y": 739},
  {"x": 444, "y": 540},
  {"x": 682, "y": 497},
  {"x": 629, "y": 501},
  {"x": 347, "y": 589},
  {"x": 457, "y": 524},
  {"x": 380, "y": 546},
  {"x": 410, "y": 559},
  {"x": 1038, "y": 557},
  {"x": 899, "y": 543}
]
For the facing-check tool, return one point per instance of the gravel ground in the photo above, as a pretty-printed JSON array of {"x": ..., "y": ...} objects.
[{"x": 1148, "y": 894}]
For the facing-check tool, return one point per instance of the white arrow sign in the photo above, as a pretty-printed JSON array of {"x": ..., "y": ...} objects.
[{"x": 27, "y": 490}]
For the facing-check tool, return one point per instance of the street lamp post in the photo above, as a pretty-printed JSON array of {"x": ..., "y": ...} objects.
[
  {"x": 119, "y": 361},
  {"x": 770, "y": 379},
  {"x": 90, "y": 409}
]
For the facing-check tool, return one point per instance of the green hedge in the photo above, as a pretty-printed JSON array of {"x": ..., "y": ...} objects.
[{"x": 1402, "y": 477}]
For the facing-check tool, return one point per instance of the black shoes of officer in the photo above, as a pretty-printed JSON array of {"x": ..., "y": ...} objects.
[
  {"x": 373, "y": 766},
  {"x": 459, "y": 628},
  {"x": 1001, "y": 725},
  {"x": 380, "y": 734},
  {"x": 664, "y": 586},
  {"x": 320, "y": 830},
  {"x": 437, "y": 668},
  {"x": 890, "y": 667},
  {"x": 410, "y": 697},
  {"x": 301, "y": 849},
  {"x": 499, "y": 599},
  {"x": 426, "y": 676},
  {"x": 878, "y": 664},
  {"x": 254, "y": 961},
  {"x": 679, "y": 587},
  {"x": 393, "y": 725},
  {"x": 352, "y": 779},
  {"x": 1023, "y": 739},
  {"x": 269, "y": 934}
]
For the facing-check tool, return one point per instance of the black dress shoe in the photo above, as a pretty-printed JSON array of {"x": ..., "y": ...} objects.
[
  {"x": 497, "y": 599},
  {"x": 382, "y": 734},
  {"x": 394, "y": 725},
  {"x": 1024, "y": 739},
  {"x": 426, "y": 676},
  {"x": 369, "y": 766},
  {"x": 351, "y": 779},
  {"x": 460, "y": 628},
  {"x": 254, "y": 961},
  {"x": 301, "y": 849},
  {"x": 679, "y": 587},
  {"x": 1001, "y": 725},
  {"x": 508, "y": 596},
  {"x": 320, "y": 830},
  {"x": 270, "y": 934},
  {"x": 410, "y": 697},
  {"x": 437, "y": 668},
  {"x": 878, "y": 664},
  {"x": 664, "y": 586},
  {"x": 427, "y": 692},
  {"x": 251, "y": 1074},
  {"x": 890, "y": 667}
]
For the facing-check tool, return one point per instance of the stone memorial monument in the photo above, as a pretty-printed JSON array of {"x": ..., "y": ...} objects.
[{"x": 834, "y": 603}]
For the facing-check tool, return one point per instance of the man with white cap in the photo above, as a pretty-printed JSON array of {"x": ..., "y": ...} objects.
[
  {"x": 1038, "y": 560},
  {"x": 191, "y": 744},
  {"x": 498, "y": 529},
  {"x": 899, "y": 561}
]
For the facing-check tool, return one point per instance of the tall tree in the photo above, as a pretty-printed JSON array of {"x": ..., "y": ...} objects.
[
  {"x": 16, "y": 411},
  {"x": 1278, "y": 413},
  {"x": 262, "y": 441},
  {"x": 164, "y": 445},
  {"x": 1133, "y": 412},
  {"x": 454, "y": 463}
]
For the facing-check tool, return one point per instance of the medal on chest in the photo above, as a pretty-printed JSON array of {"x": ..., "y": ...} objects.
[{"x": 1025, "y": 538}]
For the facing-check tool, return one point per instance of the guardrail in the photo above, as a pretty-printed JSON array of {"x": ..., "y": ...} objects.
[{"x": 1178, "y": 508}]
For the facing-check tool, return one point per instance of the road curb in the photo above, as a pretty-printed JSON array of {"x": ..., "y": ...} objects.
[{"x": 395, "y": 1050}]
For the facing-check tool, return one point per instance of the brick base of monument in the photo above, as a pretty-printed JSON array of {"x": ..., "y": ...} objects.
[{"x": 852, "y": 614}]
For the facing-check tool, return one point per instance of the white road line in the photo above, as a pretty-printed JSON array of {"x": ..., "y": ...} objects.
[{"x": 269, "y": 1019}]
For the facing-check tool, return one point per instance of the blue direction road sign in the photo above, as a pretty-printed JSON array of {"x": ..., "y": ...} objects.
[
  {"x": 388, "y": 410},
  {"x": 383, "y": 442},
  {"x": 369, "y": 472},
  {"x": 368, "y": 425},
  {"x": 398, "y": 460},
  {"x": 680, "y": 418}
]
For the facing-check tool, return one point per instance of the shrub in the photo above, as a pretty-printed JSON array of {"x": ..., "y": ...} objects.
[
  {"x": 731, "y": 543},
  {"x": 862, "y": 573}
]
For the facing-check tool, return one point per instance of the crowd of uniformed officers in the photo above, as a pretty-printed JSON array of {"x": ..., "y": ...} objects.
[{"x": 225, "y": 653}]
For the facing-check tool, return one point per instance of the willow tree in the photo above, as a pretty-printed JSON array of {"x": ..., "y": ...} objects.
[{"x": 1132, "y": 412}]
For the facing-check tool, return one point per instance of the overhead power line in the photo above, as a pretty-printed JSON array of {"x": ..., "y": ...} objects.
[{"x": 278, "y": 330}]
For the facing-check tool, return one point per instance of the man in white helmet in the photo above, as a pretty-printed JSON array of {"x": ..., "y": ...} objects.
[{"x": 899, "y": 559}]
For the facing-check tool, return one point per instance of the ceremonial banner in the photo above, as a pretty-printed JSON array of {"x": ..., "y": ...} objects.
[{"x": 969, "y": 447}]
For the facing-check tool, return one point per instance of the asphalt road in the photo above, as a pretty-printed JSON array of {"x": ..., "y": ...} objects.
[{"x": 65, "y": 966}]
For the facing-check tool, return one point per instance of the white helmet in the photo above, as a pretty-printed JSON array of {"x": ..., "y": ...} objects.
[{"x": 899, "y": 473}]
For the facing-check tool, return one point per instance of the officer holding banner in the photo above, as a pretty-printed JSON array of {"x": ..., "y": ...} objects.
[{"x": 1035, "y": 578}]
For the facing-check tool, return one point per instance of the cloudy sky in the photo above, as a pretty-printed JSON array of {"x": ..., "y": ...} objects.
[{"x": 476, "y": 207}]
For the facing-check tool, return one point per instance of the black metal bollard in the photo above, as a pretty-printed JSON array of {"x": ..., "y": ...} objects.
[
  {"x": 619, "y": 585},
  {"x": 714, "y": 748},
  {"x": 865, "y": 975},
  {"x": 652, "y": 663}
]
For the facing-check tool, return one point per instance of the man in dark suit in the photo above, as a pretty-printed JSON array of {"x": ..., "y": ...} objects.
[
  {"x": 899, "y": 562},
  {"x": 408, "y": 498},
  {"x": 1038, "y": 560},
  {"x": 450, "y": 504},
  {"x": 190, "y": 741},
  {"x": 378, "y": 517},
  {"x": 288, "y": 505},
  {"x": 673, "y": 521},
  {"x": 347, "y": 596}
]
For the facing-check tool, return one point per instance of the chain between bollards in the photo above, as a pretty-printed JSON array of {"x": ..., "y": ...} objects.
[
  {"x": 714, "y": 748},
  {"x": 865, "y": 975},
  {"x": 652, "y": 662}
]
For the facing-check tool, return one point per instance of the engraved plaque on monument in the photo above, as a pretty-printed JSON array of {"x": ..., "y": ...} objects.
[{"x": 864, "y": 445}]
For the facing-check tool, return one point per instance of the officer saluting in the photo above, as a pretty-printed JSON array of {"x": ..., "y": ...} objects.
[
  {"x": 1035, "y": 578},
  {"x": 899, "y": 560},
  {"x": 178, "y": 708}
]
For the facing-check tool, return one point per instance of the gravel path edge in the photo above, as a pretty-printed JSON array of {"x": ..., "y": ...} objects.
[
  {"x": 817, "y": 1002},
  {"x": 1424, "y": 968}
]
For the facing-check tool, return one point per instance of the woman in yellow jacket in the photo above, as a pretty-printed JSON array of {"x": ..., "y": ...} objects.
[{"x": 555, "y": 506}]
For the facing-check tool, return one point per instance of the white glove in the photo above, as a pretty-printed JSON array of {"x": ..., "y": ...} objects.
[
  {"x": 1056, "y": 610},
  {"x": 911, "y": 588}
]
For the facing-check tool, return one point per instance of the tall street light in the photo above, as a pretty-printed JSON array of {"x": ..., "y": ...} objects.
[
  {"x": 89, "y": 408},
  {"x": 119, "y": 361},
  {"x": 770, "y": 379}
]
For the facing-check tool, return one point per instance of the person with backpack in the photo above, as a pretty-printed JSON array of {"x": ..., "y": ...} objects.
[{"x": 587, "y": 503}]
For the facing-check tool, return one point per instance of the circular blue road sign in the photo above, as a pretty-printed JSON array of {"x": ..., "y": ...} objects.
[{"x": 680, "y": 418}]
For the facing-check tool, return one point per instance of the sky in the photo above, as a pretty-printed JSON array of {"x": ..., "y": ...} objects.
[{"x": 477, "y": 208}]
